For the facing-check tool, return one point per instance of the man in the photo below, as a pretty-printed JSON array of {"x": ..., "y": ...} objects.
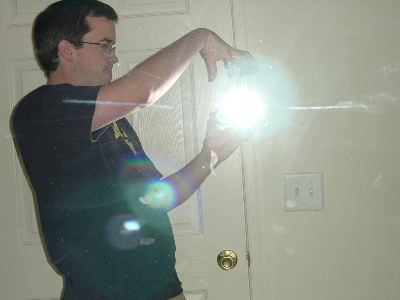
[{"x": 102, "y": 203}]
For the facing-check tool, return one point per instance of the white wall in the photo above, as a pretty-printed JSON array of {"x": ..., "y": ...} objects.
[{"x": 344, "y": 55}]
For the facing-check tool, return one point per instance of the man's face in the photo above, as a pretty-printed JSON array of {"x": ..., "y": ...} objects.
[{"x": 93, "y": 65}]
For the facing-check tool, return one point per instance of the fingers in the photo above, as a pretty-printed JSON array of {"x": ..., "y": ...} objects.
[
  {"x": 242, "y": 60},
  {"x": 217, "y": 50},
  {"x": 210, "y": 60},
  {"x": 211, "y": 65},
  {"x": 222, "y": 141}
]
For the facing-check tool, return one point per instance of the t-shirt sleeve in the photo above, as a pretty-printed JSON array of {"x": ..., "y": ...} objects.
[
  {"x": 52, "y": 126},
  {"x": 72, "y": 114}
]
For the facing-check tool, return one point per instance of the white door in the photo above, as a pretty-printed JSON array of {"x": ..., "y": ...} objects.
[{"x": 172, "y": 132}]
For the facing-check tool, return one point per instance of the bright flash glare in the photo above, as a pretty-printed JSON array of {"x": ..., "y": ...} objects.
[
  {"x": 131, "y": 225},
  {"x": 159, "y": 194},
  {"x": 242, "y": 108}
]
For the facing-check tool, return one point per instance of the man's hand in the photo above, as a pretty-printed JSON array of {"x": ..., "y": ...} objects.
[
  {"x": 223, "y": 141},
  {"x": 215, "y": 49}
]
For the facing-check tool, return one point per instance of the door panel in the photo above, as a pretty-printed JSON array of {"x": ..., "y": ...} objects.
[{"x": 172, "y": 131}]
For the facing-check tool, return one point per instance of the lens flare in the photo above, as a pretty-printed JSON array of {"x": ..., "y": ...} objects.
[
  {"x": 241, "y": 107},
  {"x": 123, "y": 232},
  {"x": 275, "y": 87},
  {"x": 131, "y": 177},
  {"x": 131, "y": 225},
  {"x": 159, "y": 194}
]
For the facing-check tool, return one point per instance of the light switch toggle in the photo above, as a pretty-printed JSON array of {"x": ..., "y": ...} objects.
[{"x": 303, "y": 191}]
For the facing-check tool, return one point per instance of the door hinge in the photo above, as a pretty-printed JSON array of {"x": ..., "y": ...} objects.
[{"x": 248, "y": 257}]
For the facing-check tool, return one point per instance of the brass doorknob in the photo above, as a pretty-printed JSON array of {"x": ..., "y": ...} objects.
[{"x": 227, "y": 259}]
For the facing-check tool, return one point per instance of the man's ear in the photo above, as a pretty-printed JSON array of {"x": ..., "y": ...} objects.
[{"x": 66, "y": 51}]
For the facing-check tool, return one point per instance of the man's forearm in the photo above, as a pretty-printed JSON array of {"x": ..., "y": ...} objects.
[
  {"x": 149, "y": 80},
  {"x": 188, "y": 179}
]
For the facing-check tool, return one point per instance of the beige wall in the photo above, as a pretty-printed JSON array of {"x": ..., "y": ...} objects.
[{"x": 344, "y": 57}]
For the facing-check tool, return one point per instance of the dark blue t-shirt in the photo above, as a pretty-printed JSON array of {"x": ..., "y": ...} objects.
[{"x": 99, "y": 233}]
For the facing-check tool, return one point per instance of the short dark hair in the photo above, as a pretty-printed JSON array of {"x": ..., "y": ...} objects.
[{"x": 64, "y": 20}]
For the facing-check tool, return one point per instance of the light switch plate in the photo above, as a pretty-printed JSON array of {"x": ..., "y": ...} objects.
[{"x": 303, "y": 191}]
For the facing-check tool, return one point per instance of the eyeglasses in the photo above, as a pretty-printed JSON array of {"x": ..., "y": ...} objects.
[{"x": 108, "y": 47}]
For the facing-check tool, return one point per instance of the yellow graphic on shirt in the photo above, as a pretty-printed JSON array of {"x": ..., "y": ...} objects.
[{"x": 120, "y": 133}]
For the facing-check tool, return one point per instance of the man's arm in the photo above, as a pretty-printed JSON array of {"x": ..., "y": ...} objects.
[
  {"x": 223, "y": 142},
  {"x": 149, "y": 80}
]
